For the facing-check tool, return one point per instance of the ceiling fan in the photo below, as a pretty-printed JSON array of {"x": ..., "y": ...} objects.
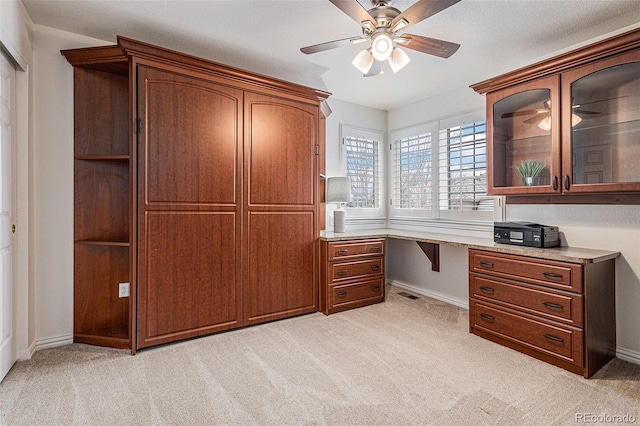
[
  {"x": 544, "y": 122},
  {"x": 380, "y": 28}
]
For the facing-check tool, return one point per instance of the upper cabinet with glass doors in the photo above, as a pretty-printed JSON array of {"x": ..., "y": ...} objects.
[{"x": 568, "y": 125}]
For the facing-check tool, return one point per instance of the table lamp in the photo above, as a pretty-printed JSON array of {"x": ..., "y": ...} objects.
[{"x": 338, "y": 191}]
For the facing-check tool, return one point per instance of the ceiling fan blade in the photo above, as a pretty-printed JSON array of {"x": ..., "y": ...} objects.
[
  {"x": 431, "y": 46},
  {"x": 354, "y": 10},
  {"x": 376, "y": 69},
  {"x": 328, "y": 45},
  {"x": 583, "y": 112},
  {"x": 524, "y": 112},
  {"x": 421, "y": 10}
]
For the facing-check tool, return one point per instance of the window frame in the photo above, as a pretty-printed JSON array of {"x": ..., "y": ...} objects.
[{"x": 378, "y": 136}]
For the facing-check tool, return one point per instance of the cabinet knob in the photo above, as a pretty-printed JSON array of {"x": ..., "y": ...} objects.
[
  {"x": 376, "y": 248},
  {"x": 342, "y": 294},
  {"x": 552, "y": 276},
  {"x": 343, "y": 251},
  {"x": 552, "y": 305},
  {"x": 553, "y": 338},
  {"x": 342, "y": 272},
  {"x": 375, "y": 287},
  {"x": 566, "y": 182},
  {"x": 555, "y": 183},
  {"x": 375, "y": 267},
  {"x": 486, "y": 290},
  {"x": 486, "y": 264},
  {"x": 487, "y": 317}
]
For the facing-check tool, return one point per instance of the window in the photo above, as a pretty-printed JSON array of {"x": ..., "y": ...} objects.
[
  {"x": 413, "y": 180},
  {"x": 361, "y": 152},
  {"x": 463, "y": 168},
  {"x": 362, "y": 167},
  {"x": 439, "y": 171}
]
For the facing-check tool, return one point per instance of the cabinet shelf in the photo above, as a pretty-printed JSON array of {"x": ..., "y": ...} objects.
[
  {"x": 102, "y": 157},
  {"x": 629, "y": 126},
  {"x": 104, "y": 243}
]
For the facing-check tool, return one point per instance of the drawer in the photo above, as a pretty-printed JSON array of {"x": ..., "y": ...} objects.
[
  {"x": 552, "y": 304},
  {"x": 341, "y": 271},
  {"x": 365, "y": 291},
  {"x": 343, "y": 250},
  {"x": 562, "y": 342},
  {"x": 567, "y": 276}
]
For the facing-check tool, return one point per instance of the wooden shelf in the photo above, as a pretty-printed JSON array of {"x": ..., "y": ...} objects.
[
  {"x": 104, "y": 243},
  {"x": 102, "y": 157}
]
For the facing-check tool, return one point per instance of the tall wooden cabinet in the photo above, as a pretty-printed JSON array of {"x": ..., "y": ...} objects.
[
  {"x": 195, "y": 183},
  {"x": 578, "y": 114}
]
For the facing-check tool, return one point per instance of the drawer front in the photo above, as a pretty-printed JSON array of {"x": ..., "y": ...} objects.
[
  {"x": 560, "y": 275},
  {"x": 553, "y": 304},
  {"x": 562, "y": 342},
  {"x": 341, "y": 271},
  {"x": 370, "y": 290},
  {"x": 343, "y": 250}
]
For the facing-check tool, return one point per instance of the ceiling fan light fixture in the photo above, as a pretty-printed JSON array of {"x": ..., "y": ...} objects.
[
  {"x": 545, "y": 124},
  {"x": 398, "y": 59},
  {"x": 363, "y": 61},
  {"x": 575, "y": 119},
  {"x": 381, "y": 46}
]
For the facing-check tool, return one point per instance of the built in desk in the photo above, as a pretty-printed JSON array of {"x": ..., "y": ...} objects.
[{"x": 555, "y": 304}]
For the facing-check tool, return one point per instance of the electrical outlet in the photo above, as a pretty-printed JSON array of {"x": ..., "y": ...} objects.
[{"x": 123, "y": 290}]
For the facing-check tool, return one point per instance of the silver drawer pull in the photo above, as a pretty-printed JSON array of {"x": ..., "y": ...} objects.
[
  {"x": 342, "y": 294},
  {"x": 375, "y": 267},
  {"x": 343, "y": 251},
  {"x": 487, "y": 317},
  {"x": 552, "y": 305},
  {"x": 486, "y": 264},
  {"x": 550, "y": 275},
  {"x": 342, "y": 272},
  {"x": 376, "y": 248},
  {"x": 375, "y": 287},
  {"x": 487, "y": 290},
  {"x": 553, "y": 338}
]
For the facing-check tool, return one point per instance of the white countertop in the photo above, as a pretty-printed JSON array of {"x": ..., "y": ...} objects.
[{"x": 564, "y": 254}]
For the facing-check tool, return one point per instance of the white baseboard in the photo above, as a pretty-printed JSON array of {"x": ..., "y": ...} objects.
[
  {"x": 433, "y": 294},
  {"x": 26, "y": 354},
  {"x": 628, "y": 355},
  {"x": 52, "y": 342}
]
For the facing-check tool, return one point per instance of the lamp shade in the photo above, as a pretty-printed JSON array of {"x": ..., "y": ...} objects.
[
  {"x": 363, "y": 61},
  {"x": 398, "y": 59},
  {"x": 338, "y": 190}
]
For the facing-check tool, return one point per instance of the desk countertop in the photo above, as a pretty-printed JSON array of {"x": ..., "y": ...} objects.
[{"x": 564, "y": 254}]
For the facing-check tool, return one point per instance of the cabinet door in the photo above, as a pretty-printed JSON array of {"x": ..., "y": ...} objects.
[
  {"x": 524, "y": 136},
  {"x": 281, "y": 208},
  {"x": 601, "y": 126},
  {"x": 189, "y": 204}
]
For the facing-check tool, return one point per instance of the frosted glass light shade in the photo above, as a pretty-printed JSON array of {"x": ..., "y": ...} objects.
[
  {"x": 545, "y": 124},
  {"x": 363, "y": 61},
  {"x": 381, "y": 46},
  {"x": 398, "y": 59}
]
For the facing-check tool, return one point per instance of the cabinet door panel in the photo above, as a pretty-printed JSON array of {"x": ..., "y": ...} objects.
[
  {"x": 281, "y": 265},
  {"x": 601, "y": 101},
  {"x": 281, "y": 151},
  {"x": 189, "y": 284},
  {"x": 191, "y": 139},
  {"x": 523, "y": 124}
]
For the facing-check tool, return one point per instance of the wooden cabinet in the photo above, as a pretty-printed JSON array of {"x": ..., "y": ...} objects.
[
  {"x": 560, "y": 312},
  {"x": 195, "y": 183},
  {"x": 352, "y": 274},
  {"x": 576, "y": 115}
]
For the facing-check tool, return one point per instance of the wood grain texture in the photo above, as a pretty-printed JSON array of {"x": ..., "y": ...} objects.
[
  {"x": 189, "y": 281},
  {"x": 191, "y": 146},
  {"x": 281, "y": 261},
  {"x": 101, "y": 111},
  {"x": 98, "y": 312}
]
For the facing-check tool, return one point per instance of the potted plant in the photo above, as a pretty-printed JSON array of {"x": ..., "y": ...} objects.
[{"x": 529, "y": 170}]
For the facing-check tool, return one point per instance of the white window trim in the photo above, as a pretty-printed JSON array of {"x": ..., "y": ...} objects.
[{"x": 359, "y": 213}]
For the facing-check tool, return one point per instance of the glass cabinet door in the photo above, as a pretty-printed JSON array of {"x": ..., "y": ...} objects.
[
  {"x": 524, "y": 138},
  {"x": 601, "y": 126}
]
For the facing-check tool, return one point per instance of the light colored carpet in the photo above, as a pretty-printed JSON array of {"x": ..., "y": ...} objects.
[{"x": 401, "y": 362}]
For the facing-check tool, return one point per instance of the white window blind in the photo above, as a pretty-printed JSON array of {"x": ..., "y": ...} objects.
[
  {"x": 362, "y": 157},
  {"x": 463, "y": 168},
  {"x": 412, "y": 172}
]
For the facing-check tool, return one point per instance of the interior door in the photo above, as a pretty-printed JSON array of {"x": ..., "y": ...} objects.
[{"x": 7, "y": 137}]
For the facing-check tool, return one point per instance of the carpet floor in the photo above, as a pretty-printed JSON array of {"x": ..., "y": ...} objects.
[{"x": 402, "y": 362}]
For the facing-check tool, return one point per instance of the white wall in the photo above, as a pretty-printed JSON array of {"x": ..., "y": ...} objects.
[{"x": 53, "y": 198}]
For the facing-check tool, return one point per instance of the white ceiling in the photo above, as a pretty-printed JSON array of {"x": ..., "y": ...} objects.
[{"x": 265, "y": 36}]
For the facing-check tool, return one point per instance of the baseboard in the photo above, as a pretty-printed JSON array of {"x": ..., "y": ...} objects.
[
  {"x": 26, "y": 354},
  {"x": 432, "y": 294},
  {"x": 52, "y": 342},
  {"x": 628, "y": 355}
]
